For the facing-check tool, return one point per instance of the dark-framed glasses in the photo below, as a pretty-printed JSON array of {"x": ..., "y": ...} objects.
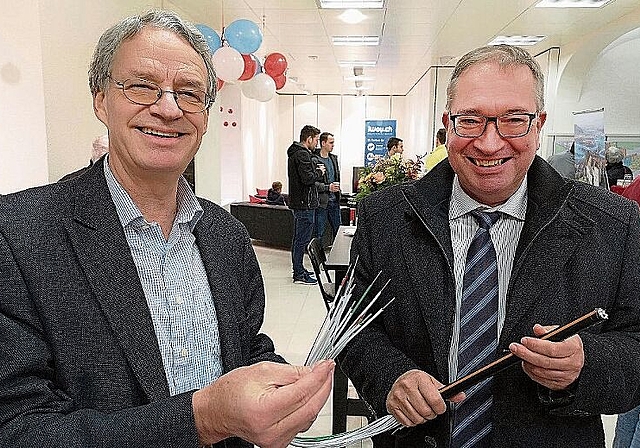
[
  {"x": 146, "y": 93},
  {"x": 508, "y": 125}
]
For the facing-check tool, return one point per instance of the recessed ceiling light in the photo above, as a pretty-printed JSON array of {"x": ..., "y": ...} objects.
[
  {"x": 346, "y": 4},
  {"x": 355, "y": 40},
  {"x": 352, "y": 16},
  {"x": 357, "y": 63},
  {"x": 359, "y": 78},
  {"x": 516, "y": 40},
  {"x": 572, "y": 3}
]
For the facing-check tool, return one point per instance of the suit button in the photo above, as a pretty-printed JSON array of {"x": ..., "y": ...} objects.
[{"x": 430, "y": 442}]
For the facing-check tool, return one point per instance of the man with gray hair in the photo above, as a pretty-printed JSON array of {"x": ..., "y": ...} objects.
[
  {"x": 99, "y": 147},
  {"x": 130, "y": 310},
  {"x": 491, "y": 249}
]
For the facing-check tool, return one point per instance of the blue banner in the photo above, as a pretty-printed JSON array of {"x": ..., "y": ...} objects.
[{"x": 376, "y": 134}]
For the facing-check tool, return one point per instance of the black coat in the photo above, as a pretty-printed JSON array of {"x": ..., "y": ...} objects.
[
  {"x": 303, "y": 175},
  {"x": 579, "y": 249}
]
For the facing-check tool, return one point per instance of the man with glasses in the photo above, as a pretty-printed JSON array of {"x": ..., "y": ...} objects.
[
  {"x": 130, "y": 310},
  {"x": 489, "y": 250}
]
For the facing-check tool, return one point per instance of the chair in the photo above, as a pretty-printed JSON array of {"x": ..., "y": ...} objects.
[{"x": 318, "y": 259}]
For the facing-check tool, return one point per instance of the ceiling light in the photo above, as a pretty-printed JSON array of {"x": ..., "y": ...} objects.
[
  {"x": 352, "y": 16},
  {"x": 357, "y": 63},
  {"x": 572, "y": 3},
  {"x": 516, "y": 40},
  {"x": 359, "y": 78},
  {"x": 345, "y": 4},
  {"x": 355, "y": 40}
]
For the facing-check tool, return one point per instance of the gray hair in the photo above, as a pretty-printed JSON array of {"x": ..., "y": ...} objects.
[
  {"x": 110, "y": 41},
  {"x": 505, "y": 56}
]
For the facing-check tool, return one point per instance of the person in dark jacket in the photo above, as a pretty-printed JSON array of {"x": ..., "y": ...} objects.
[
  {"x": 615, "y": 169},
  {"x": 274, "y": 195},
  {"x": 130, "y": 309},
  {"x": 303, "y": 198},
  {"x": 328, "y": 188},
  {"x": 553, "y": 249}
]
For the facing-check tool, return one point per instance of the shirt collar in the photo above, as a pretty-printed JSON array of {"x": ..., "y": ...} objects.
[
  {"x": 189, "y": 209},
  {"x": 461, "y": 203}
]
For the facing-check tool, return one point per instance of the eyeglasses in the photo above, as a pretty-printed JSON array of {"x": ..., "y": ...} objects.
[
  {"x": 507, "y": 125},
  {"x": 146, "y": 93}
]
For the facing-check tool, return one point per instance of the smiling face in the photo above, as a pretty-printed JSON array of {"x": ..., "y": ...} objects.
[
  {"x": 161, "y": 139},
  {"x": 491, "y": 168}
]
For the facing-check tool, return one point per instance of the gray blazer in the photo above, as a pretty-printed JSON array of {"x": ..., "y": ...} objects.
[
  {"x": 579, "y": 249},
  {"x": 79, "y": 360}
]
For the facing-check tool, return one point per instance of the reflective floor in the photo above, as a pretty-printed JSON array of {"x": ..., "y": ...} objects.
[{"x": 293, "y": 315}]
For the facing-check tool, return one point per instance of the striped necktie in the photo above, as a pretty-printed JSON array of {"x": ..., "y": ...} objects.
[{"x": 478, "y": 335}]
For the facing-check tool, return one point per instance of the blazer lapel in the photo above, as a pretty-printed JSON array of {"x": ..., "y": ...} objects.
[
  {"x": 429, "y": 257},
  {"x": 212, "y": 251},
  {"x": 100, "y": 244},
  {"x": 550, "y": 235}
]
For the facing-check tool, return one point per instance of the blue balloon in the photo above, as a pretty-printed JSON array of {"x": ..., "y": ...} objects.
[
  {"x": 212, "y": 38},
  {"x": 243, "y": 35}
]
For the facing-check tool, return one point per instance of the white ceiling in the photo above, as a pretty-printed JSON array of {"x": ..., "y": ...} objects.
[{"x": 415, "y": 34}]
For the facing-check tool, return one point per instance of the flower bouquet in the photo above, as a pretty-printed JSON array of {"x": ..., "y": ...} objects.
[{"x": 386, "y": 172}]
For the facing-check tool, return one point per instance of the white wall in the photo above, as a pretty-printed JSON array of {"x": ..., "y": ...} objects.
[
  {"x": 48, "y": 122},
  {"x": 23, "y": 137}
]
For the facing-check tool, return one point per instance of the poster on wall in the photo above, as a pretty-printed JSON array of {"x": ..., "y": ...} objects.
[
  {"x": 588, "y": 129},
  {"x": 376, "y": 134}
]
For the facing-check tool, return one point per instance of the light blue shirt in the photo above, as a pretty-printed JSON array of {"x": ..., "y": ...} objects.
[{"x": 176, "y": 287}]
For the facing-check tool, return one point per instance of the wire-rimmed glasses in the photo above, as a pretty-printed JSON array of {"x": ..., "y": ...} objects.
[{"x": 146, "y": 93}]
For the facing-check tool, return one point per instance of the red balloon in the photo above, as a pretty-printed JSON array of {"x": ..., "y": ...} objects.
[
  {"x": 275, "y": 64},
  {"x": 280, "y": 81},
  {"x": 249, "y": 68}
]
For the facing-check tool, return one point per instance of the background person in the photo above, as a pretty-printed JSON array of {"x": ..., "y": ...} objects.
[
  {"x": 99, "y": 147},
  {"x": 615, "y": 169},
  {"x": 303, "y": 198},
  {"x": 440, "y": 151},
  {"x": 395, "y": 145},
  {"x": 274, "y": 195},
  {"x": 329, "y": 188},
  {"x": 565, "y": 163},
  {"x": 131, "y": 309},
  {"x": 520, "y": 222}
]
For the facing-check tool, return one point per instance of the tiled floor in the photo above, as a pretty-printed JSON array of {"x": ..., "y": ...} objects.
[{"x": 293, "y": 316}]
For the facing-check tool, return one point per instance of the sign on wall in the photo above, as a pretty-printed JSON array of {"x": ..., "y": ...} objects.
[
  {"x": 588, "y": 131},
  {"x": 376, "y": 134}
]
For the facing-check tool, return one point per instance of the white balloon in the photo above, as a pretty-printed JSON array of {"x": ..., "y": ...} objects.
[
  {"x": 264, "y": 87},
  {"x": 228, "y": 63},
  {"x": 248, "y": 89}
]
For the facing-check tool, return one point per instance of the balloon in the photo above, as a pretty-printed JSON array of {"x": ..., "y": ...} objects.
[
  {"x": 264, "y": 87},
  {"x": 228, "y": 63},
  {"x": 275, "y": 64},
  {"x": 248, "y": 89},
  {"x": 212, "y": 38},
  {"x": 280, "y": 81},
  {"x": 243, "y": 35},
  {"x": 258, "y": 64},
  {"x": 249, "y": 68}
]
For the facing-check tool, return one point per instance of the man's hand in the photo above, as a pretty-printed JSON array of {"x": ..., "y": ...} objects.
[
  {"x": 266, "y": 403},
  {"x": 414, "y": 398},
  {"x": 334, "y": 187},
  {"x": 554, "y": 365}
]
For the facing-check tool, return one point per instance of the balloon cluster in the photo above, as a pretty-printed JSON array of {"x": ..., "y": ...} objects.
[{"x": 235, "y": 61}]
